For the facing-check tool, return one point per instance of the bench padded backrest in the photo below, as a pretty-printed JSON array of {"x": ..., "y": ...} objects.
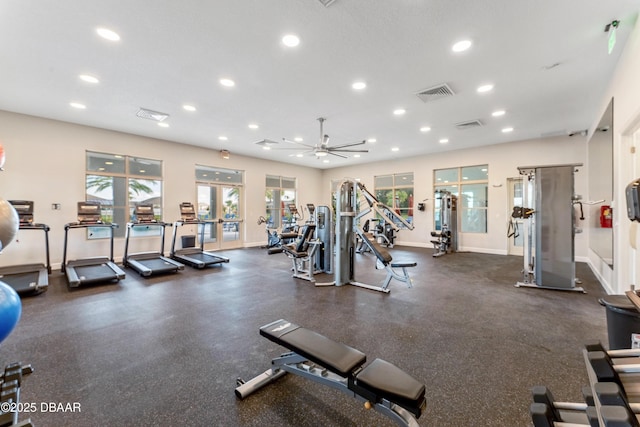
[
  {"x": 381, "y": 253},
  {"x": 303, "y": 240},
  {"x": 336, "y": 357}
]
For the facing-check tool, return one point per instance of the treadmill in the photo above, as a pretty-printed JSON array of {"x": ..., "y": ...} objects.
[
  {"x": 148, "y": 263},
  {"x": 28, "y": 279},
  {"x": 196, "y": 257},
  {"x": 90, "y": 270}
]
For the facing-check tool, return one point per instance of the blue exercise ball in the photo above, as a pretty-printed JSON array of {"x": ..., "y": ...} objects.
[{"x": 10, "y": 309}]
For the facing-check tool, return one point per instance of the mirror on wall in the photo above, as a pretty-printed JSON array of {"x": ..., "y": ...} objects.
[{"x": 600, "y": 157}]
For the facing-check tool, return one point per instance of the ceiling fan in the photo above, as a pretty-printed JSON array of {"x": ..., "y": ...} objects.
[{"x": 322, "y": 148}]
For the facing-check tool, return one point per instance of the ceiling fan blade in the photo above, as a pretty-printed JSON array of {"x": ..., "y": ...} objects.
[
  {"x": 352, "y": 144},
  {"x": 299, "y": 143},
  {"x": 347, "y": 151},
  {"x": 338, "y": 155}
]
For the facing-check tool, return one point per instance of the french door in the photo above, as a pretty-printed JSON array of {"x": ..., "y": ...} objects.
[{"x": 219, "y": 206}]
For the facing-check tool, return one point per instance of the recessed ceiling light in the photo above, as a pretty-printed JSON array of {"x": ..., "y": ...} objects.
[
  {"x": 399, "y": 111},
  {"x": 461, "y": 46},
  {"x": 142, "y": 170},
  {"x": 465, "y": 177},
  {"x": 88, "y": 78},
  {"x": 325, "y": 161},
  {"x": 507, "y": 130},
  {"x": 189, "y": 107},
  {"x": 372, "y": 140},
  {"x": 299, "y": 155},
  {"x": 498, "y": 113},
  {"x": 395, "y": 149},
  {"x": 100, "y": 169},
  {"x": 227, "y": 82},
  {"x": 78, "y": 105},
  {"x": 298, "y": 139},
  {"x": 108, "y": 34},
  {"x": 485, "y": 88},
  {"x": 163, "y": 125},
  {"x": 425, "y": 129},
  {"x": 266, "y": 147},
  {"x": 108, "y": 163},
  {"x": 359, "y": 85},
  {"x": 291, "y": 40},
  {"x": 443, "y": 141},
  {"x": 253, "y": 126},
  {"x": 223, "y": 138},
  {"x": 356, "y": 155}
]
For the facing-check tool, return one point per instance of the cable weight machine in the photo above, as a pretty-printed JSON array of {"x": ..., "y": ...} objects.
[{"x": 549, "y": 227}]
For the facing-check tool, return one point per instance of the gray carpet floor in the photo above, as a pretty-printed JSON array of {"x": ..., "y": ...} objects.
[{"x": 167, "y": 350}]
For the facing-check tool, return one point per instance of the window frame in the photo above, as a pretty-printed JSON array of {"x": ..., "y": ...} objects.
[
  {"x": 127, "y": 175},
  {"x": 457, "y": 188}
]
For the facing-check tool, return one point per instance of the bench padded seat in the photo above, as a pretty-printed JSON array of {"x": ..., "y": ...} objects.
[
  {"x": 336, "y": 357},
  {"x": 392, "y": 383}
]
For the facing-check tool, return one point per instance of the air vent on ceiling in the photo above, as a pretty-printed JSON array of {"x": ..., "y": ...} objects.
[
  {"x": 326, "y": 3},
  {"x": 433, "y": 93},
  {"x": 151, "y": 115},
  {"x": 266, "y": 142},
  {"x": 468, "y": 125}
]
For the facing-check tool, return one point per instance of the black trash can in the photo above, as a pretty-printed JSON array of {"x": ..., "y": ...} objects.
[
  {"x": 188, "y": 241},
  {"x": 622, "y": 320}
]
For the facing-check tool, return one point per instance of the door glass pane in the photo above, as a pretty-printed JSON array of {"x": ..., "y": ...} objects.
[
  {"x": 474, "y": 208},
  {"x": 230, "y": 205},
  {"x": 207, "y": 211}
]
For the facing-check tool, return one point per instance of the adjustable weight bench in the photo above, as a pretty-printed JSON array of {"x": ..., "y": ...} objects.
[
  {"x": 380, "y": 385},
  {"x": 386, "y": 260}
]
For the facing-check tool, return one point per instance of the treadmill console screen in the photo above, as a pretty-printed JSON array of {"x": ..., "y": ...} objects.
[
  {"x": 89, "y": 212},
  {"x": 292, "y": 208},
  {"x": 187, "y": 211},
  {"x": 144, "y": 213},
  {"x": 24, "y": 209}
]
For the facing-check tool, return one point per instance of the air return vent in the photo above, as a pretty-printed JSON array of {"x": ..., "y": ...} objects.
[
  {"x": 434, "y": 93},
  {"x": 326, "y": 3},
  {"x": 468, "y": 124},
  {"x": 151, "y": 115},
  {"x": 266, "y": 142}
]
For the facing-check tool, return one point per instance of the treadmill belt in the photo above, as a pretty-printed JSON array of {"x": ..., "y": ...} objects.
[
  {"x": 157, "y": 264},
  {"x": 22, "y": 282},
  {"x": 95, "y": 273}
]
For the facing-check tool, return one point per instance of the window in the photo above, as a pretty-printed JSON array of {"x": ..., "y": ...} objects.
[
  {"x": 118, "y": 182},
  {"x": 396, "y": 191},
  {"x": 280, "y": 192},
  {"x": 471, "y": 185}
]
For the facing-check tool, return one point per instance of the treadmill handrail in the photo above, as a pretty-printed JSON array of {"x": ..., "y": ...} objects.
[
  {"x": 45, "y": 228},
  {"x": 131, "y": 225},
  {"x": 90, "y": 225},
  {"x": 68, "y": 226}
]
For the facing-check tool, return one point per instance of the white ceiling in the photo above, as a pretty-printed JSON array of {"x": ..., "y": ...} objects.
[{"x": 547, "y": 59}]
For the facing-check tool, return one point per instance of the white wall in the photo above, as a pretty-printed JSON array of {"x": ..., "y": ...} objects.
[
  {"x": 45, "y": 162},
  {"x": 625, "y": 89},
  {"x": 503, "y": 160}
]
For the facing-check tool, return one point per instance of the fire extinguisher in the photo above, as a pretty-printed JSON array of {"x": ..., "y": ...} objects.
[{"x": 605, "y": 216}]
